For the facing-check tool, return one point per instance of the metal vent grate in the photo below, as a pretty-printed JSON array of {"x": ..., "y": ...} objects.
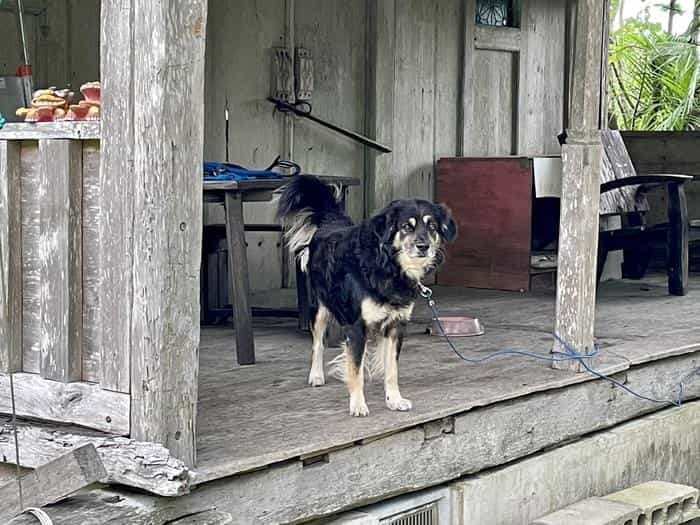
[{"x": 423, "y": 515}]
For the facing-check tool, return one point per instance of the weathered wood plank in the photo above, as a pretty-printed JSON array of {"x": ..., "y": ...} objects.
[
  {"x": 51, "y": 130},
  {"x": 10, "y": 258},
  {"x": 468, "y": 76},
  {"x": 78, "y": 403},
  {"x": 541, "y": 77},
  {"x": 92, "y": 323},
  {"x": 334, "y": 32},
  {"x": 381, "y": 108},
  {"x": 414, "y": 112},
  {"x": 52, "y": 482},
  {"x": 147, "y": 466},
  {"x": 664, "y": 151},
  {"x": 497, "y": 38},
  {"x": 119, "y": 507},
  {"x": 111, "y": 304},
  {"x": 31, "y": 267},
  {"x": 168, "y": 68},
  {"x": 414, "y": 459},
  {"x": 60, "y": 252}
]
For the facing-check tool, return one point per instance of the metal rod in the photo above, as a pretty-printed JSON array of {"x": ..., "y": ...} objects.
[
  {"x": 343, "y": 131},
  {"x": 20, "y": 14}
]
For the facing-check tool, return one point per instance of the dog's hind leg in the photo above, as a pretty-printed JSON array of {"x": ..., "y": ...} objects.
[
  {"x": 318, "y": 333},
  {"x": 390, "y": 346},
  {"x": 354, "y": 374}
]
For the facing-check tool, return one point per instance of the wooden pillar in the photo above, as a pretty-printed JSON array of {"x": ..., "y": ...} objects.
[
  {"x": 154, "y": 62},
  {"x": 581, "y": 156}
]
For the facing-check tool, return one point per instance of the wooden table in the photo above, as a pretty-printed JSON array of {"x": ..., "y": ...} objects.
[{"x": 233, "y": 194}]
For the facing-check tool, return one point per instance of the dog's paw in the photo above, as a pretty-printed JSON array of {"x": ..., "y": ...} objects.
[
  {"x": 398, "y": 403},
  {"x": 358, "y": 408},
  {"x": 316, "y": 379}
]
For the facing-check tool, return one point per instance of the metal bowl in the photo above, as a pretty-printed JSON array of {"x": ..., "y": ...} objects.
[{"x": 456, "y": 326}]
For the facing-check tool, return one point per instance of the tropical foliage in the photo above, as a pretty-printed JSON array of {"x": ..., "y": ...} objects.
[{"x": 654, "y": 78}]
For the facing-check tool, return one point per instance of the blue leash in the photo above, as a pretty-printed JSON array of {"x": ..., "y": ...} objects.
[{"x": 569, "y": 355}]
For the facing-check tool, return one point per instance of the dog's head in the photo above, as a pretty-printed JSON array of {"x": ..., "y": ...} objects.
[{"x": 412, "y": 232}]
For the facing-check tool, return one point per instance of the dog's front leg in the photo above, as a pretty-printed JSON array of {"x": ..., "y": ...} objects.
[
  {"x": 354, "y": 375},
  {"x": 392, "y": 340}
]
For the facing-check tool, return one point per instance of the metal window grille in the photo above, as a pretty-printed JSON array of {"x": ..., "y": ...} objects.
[{"x": 423, "y": 515}]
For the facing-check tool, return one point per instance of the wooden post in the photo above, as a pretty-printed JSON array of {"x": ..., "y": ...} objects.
[
  {"x": 113, "y": 300},
  {"x": 10, "y": 258},
  {"x": 581, "y": 156},
  {"x": 168, "y": 77}
]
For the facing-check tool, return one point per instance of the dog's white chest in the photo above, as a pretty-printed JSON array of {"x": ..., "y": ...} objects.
[{"x": 375, "y": 313}]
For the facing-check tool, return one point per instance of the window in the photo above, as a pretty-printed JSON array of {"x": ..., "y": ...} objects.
[{"x": 501, "y": 13}]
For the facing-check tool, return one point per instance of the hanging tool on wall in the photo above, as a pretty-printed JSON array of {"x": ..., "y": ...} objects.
[{"x": 283, "y": 106}]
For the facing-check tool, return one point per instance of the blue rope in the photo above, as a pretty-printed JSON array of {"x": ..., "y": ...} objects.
[{"x": 570, "y": 355}]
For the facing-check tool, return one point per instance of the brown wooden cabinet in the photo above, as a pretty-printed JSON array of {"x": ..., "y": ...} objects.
[{"x": 491, "y": 199}]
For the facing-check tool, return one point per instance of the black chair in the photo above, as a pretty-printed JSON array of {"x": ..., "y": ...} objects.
[{"x": 624, "y": 189}]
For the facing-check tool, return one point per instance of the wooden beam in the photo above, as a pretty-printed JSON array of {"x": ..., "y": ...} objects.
[
  {"x": 84, "y": 404},
  {"x": 51, "y": 130},
  {"x": 114, "y": 260},
  {"x": 10, "y": 258},
  {"x": 167, "y": 200},
  {"x": 61, "y": 260},
  {"x": 52, "y": 482},
  {"x": 146, "y": 466},
  {"x": 581, "y": 156}
]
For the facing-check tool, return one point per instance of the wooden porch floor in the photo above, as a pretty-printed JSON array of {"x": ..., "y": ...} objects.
[{"x": 255, "y": 416}]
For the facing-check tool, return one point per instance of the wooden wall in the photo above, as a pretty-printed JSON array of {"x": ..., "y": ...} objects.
[
  {"x": 395, "y": 70},
  {"x": 63, "y": 41},
  {"x": 445, "y": 86}
]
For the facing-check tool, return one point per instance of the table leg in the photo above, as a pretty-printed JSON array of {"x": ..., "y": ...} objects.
[
  {"x": 303, "y": 299},
  {"x": 678, "y": 233},
  {"x": 238, "y": 276}
]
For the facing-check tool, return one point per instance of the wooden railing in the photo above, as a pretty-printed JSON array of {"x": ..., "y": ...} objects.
[{"x": 49, "y": 304}]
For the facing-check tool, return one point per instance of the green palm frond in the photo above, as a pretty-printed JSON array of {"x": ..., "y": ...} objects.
[{"x": 654, "y": 82}]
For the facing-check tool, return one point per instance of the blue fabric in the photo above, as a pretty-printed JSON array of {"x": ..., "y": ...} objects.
[
  {"x": 224, "y": 171},
  {"x": 2, "y": 119}
]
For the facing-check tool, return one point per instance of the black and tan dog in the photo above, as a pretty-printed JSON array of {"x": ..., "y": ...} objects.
[{"x": 364, "y": 276}]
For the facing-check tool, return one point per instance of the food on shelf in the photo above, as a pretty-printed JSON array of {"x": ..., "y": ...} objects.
[{"x": 49, "y": 105}]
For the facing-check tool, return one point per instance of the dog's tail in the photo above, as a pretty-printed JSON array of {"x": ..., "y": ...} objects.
[{"x": 303, "y": 206}]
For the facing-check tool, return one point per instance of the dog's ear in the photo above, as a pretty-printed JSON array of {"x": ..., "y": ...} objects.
[
  {"x": 384, "y": 228},
  {"x": 447, "y": 225}
]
